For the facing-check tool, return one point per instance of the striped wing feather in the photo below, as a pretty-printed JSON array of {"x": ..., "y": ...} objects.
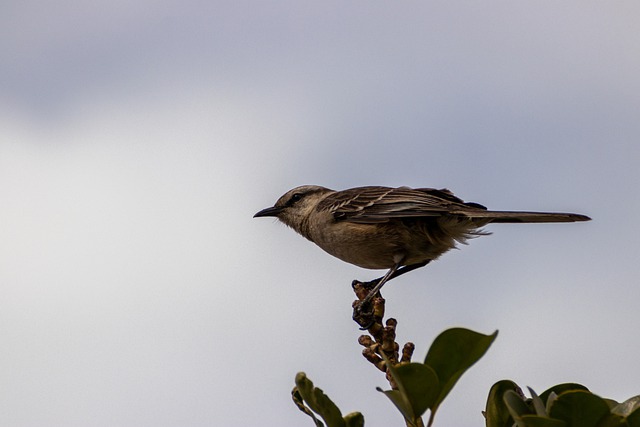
[{"x": 372, "y": 205}]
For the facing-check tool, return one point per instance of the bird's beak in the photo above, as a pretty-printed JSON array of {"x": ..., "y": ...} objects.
[{"x": 273, "y": 211}]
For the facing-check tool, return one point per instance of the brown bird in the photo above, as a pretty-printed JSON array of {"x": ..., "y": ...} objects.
[{"x": 399, "y": 229}]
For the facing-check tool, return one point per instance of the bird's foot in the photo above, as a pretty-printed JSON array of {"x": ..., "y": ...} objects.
[
  {"x": 368, "y": 308},
  {"x": 363, "y": 314}
]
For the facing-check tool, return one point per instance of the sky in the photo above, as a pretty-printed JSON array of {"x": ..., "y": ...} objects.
[{"x": 137, "y": 140}]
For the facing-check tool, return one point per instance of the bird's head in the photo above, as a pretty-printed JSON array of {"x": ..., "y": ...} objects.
[{"x": 296, "y": 205}]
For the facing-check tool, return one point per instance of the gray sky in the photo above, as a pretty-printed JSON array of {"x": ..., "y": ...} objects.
[{"x": 137, "y": 139}]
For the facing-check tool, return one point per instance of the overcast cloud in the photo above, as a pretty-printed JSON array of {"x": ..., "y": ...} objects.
[{"x": 137, "y": 139}]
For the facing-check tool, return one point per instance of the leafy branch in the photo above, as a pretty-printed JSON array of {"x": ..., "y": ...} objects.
[
  {"x": 415, "y": 387},
  {"x": 420, "y": 387}
]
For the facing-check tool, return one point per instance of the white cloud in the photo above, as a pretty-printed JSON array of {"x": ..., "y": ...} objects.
[{"x": 136, "y": 289}]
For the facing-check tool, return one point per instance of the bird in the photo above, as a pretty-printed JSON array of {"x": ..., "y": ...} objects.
[{"x": 397, "y": 229}]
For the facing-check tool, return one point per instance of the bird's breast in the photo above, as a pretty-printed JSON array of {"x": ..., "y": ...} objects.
[
  {"x": 380, "y": 245},
  {"x": 372, "y": 246}
]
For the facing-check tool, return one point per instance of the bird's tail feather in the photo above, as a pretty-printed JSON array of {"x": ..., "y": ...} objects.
[{"x": 515, "y": 217}]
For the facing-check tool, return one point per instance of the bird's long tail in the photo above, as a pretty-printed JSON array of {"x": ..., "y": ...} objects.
[{"x": 515, "y": 217}]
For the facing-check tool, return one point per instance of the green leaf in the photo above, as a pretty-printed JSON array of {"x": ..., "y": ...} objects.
[
  {"x": 627, "y": 407},
  {"x": 538, "y": 404},
  {"x": 538, "y": 421},
  {"x": 452, "y": 353},
  {"x": 552, "y": 398},
  {"x": 517, "y": 407},
  {"x": 318, "y": 402},
  {"x": 398, "y": 399},
  {"x": 418, "y": 388},
  {"x": 561, "y": 388},
  {"x": 579, "y": 408},
  {"x": 610, "y": 403},
  {"x": 633, "y": 419},
  {"x": 419, "y": 383},
  {"x": 612, "y": 420},
  {"x": 496, "y": 412},
  {"x": 299, "y": 401},
  {"x": 354, "y": 419}
]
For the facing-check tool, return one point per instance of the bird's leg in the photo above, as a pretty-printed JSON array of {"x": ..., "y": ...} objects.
[
  {"x": 398, "y": 272},
  {"x": 363, "y": 311},
  {"x": 379, "y": 283}
]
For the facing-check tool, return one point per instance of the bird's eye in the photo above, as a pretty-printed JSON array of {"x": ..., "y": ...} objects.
[{"x": 295, "y": 198}]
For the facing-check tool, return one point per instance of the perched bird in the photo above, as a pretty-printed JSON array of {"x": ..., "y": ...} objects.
[{"x": 399, "y": 229}]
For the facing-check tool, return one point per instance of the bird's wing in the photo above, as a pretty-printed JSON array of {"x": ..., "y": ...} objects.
[
  {"x": 372, "y": 205},
  {"x": 380, "y": 204}
]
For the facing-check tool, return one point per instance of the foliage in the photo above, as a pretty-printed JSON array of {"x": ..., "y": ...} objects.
[
  {"x": 563, "y": 405},
  {"x": 420, "y": 386},
  {"x": 318, "y": 402},
  {"x": 423, "y": 386}
]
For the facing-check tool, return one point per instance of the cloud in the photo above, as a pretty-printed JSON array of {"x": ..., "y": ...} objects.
[{"x": 138, "y": 140}]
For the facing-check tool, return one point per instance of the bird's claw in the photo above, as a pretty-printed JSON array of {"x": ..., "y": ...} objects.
[{"x": 363, "y": 314}]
